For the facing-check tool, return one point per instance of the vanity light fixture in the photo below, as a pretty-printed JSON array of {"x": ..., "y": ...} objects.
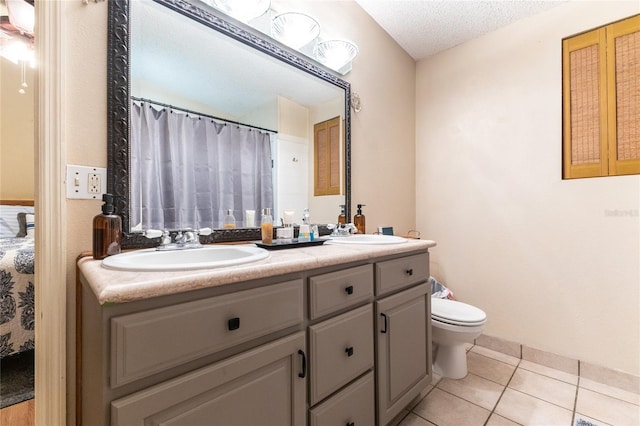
[
  {"x": 294, "y": 29},
  {"x": 336, "y": 54},
  {"x": 242, "y": 10}
]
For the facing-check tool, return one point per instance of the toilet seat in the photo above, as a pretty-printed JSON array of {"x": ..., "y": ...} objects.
[{"x": 456, "y": 313}]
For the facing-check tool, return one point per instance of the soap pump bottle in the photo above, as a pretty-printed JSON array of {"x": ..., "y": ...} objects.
[
  {"x": 107, "y": 230},
  {"x": 359, "y": 220},
  {"x": 342, "y": 218}
]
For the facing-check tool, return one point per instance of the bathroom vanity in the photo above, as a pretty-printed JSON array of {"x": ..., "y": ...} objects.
[{"x": 325, "y": 335}]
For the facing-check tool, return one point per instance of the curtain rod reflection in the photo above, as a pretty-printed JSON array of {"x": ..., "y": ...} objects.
[{"x": 188, "y": 111}]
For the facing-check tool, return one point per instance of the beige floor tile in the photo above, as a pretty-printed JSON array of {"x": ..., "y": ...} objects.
[
  {"x": 420, "y": 397},
  {"x": 496, "y": 420},
  {"x": 607, "y": 409},
  {"x": 444, "y": 409},
  {"x": 582, "y": 420},
  {"x": 618, "y": 393},
  {"x": 507, "y": 359},
  {"x": 528, "y": 410},
  {"x": 476, "y": 389},
  {"x": 489, "y": 368},
  {"x": 549, "y": 372},
  {"x": 468, "y": 346},
  {"x": 413, "y": 420},
  {"x": 545, "y": 388}
]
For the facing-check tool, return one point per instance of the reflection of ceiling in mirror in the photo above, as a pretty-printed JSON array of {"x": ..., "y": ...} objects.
[{"x": 170, "y": 51}]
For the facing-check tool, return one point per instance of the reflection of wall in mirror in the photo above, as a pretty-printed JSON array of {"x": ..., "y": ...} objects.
[
  {"x": 292, "y": 176},
  {"x": 147, "y": 90}
]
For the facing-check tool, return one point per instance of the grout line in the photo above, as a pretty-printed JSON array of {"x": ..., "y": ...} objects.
[
  {"x": 502, "y": 393},
  {"x": 465, "y": 400},
  {"x": 575, "y": 401}
]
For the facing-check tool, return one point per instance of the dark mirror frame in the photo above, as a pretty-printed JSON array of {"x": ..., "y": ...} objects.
[{"x": 118, "y": 102}]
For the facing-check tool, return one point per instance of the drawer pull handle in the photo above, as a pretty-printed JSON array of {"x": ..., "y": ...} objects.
[
  {"x": 384, "y": 329},
  {"x": 409, "y": 272},
  {"x": 349, "y": 351},
  {"x": 234, "y": 324},
  {"x": 303, "y": 374},
  {"x": 349, "y": 289},
  {"x": 351, "y": 424}
]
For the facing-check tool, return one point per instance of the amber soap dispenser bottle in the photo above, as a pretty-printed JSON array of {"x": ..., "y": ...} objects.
[
  {"x": 359, "y": 220},
  {"x": 107, "y": 230},
  {"x": 342, "y": 219}
]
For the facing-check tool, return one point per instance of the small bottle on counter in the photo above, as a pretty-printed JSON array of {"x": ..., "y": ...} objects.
[
  {"x": 266, "y": 226},
  {"x": 107, "y": 230},
  {"x": 359, "y": 220},
  {"x": 229, "y": 219},
  {"x": 342, "y": 218},
  {"x": 304, "y": 235}
]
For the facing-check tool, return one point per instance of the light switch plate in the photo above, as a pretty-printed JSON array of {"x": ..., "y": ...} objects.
[{"x": 86, "y": 182}]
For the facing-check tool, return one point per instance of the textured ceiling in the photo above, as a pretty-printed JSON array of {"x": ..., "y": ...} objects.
[{"x": 426, "y": 27}]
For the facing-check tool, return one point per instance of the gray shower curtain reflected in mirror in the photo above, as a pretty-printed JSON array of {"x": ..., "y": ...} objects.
[{"x": 187, "y": 171}]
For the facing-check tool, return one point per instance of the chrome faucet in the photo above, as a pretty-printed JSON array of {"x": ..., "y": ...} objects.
[
  {"x": 187, "y": 239},
  {"x": 342, "y": 230}
]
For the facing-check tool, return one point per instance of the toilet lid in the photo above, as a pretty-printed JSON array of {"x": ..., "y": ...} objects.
[{"x": 453, "y": 312}]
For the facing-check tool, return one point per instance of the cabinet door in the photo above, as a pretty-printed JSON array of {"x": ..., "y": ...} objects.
[
  {"x": 340, "y": 350},
  {"x": 403, "y": 343},
  {"x": 263, "y": 386}
]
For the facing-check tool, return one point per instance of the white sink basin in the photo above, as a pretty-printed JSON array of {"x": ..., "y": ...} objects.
[
  {"x": 184, "y": 260},
  {"x": 367, "y": 239}
]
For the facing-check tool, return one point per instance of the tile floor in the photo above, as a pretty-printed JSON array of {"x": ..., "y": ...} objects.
[{"x": 504, "y": 390}]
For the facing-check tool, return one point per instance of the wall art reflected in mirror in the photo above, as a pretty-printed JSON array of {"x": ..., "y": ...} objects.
[{"x": 208, "y": 118}]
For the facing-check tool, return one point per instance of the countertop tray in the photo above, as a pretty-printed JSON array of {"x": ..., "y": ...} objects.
[{"x": 294, "y": 244}]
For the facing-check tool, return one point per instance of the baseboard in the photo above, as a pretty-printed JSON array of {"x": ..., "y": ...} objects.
[{"x": 605, "y": 375}]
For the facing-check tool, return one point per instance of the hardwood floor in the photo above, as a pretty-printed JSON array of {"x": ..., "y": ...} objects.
[{"x": 22, "y": 414}]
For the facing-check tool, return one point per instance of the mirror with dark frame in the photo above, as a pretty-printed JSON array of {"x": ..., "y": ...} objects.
[{"x": 164, "y": 61}]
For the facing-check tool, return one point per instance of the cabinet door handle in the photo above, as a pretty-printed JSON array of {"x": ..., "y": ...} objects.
[
  {"x": 349, "y": 289},
  {"x": 234, "y": 324},
  {"x": 349, "y": 351},
  {"x": 409, "y": 272},
  {"x": 303, "y": 373},
  {"x": 384, "y": 329}
]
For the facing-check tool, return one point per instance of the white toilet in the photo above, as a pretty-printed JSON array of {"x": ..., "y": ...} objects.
[{"x": 453, "y": 324}]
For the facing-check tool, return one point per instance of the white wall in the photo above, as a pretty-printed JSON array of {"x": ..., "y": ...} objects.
[{"x": 547, "y": 259}]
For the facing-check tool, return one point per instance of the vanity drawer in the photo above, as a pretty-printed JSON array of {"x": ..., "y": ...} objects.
[
  {"x": 401, "y": 273},
  {"x": 340, "y": 349},
  {"x": 338, "y": 290},
  {"x": 353, "y": 405},
  {"x": 148, "y": 342}
]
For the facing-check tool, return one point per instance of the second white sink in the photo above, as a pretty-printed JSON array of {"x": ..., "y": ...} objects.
[
  {"x": 183, "y": 260},
  {"x": 367, "y": 239}
]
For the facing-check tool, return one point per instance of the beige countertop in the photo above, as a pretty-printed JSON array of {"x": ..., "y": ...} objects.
[{"x": 113, "y": 286}]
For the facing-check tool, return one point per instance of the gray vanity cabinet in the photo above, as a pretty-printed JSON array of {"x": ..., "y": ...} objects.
[
  {"x": 403, "y": 335},
  {"x": 263, "y": 386},
  {"x": 344, "y": 344}
]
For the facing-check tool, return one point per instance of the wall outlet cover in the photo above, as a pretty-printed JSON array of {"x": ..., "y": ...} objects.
[{"x": 86, "y": 182}]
